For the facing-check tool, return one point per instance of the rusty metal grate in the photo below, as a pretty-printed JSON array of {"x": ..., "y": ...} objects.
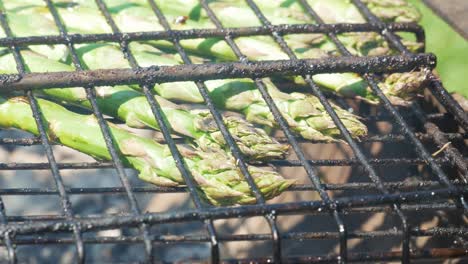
[{"x": 443, "y": 193}]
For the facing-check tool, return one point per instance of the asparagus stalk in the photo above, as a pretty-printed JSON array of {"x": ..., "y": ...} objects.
[
  {"x": 304, "y": 113},
  {"x": 214, "y": 171},
  {"x": 132, "y": 107}
]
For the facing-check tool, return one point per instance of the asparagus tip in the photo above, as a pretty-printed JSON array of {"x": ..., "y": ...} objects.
[
  {"x": 253, "y": 142},
  {"x": 401, "y": 88}
]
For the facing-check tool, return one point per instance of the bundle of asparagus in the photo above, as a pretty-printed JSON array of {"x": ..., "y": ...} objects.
[
  {"x": 304, "y": 113},
  {"x": 136, "y": 15},
  {"x": 213, "y": 169},
  {"x": 215, "y": 172},
  {"x": 130, "y": 106},
  {"x": 400, "y": 89}
]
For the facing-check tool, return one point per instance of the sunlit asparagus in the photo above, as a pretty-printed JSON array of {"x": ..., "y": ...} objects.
[
  {"x": 132, "y": 107},
  {"x": 235, "y": 13},
  {"x": 136, "y": 15},
  {"x": 315, "y": 124},
  {"x": 304, "y": 113},
  {"x": 398, "y": 88},
  {"x": 215, "y": 173}
]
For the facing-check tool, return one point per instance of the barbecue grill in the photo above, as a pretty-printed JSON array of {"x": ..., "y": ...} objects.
[{"x": 432, "y": 180}]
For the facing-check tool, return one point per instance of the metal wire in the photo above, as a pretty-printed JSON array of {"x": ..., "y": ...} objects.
[
  {"x": 196, "y": 72},
  {"x": 432, "y": 207},
  {"x": 393, "y": 138},
  {"x": 395, "y": 198},
  {"x": 109, "y": 221},
  {"x": 210, "y": 33}
]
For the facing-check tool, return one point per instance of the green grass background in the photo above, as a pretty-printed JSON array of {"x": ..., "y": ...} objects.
[{"x": 450, "y": 48}]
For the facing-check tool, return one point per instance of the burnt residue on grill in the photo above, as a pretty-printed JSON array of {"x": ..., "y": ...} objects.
[
  {"x": 210, "y": 33},
  {"x": 408, "y": 191},
  {"x": 194, "y": 72}
]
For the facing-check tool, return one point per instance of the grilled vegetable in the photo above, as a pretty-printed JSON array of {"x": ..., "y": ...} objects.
[
  {"x": 235, "y": 13},
  {"x": 304, "y": 113},
  {"x": 214, "y": 172},
  {"x": 399, "y": 88},
  {"x": 136, "y": 16},
  {"x": 132, "y": 107}
]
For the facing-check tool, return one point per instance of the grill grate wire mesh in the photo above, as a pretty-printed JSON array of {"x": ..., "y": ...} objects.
[{"x": 336, "y": 207}]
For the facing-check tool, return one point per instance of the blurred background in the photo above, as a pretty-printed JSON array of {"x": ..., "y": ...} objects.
[{"x": 446, "y": 26}]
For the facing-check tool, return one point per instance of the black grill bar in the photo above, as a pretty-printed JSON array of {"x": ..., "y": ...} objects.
[
  {"x": 435, "y": 206},
  {"x": 194, "y": 72},
  {"x": 416, "y": 232},
  {"x": 400, "y": 186},
  {"x": 439, "y": 232},
  {"x": 394, "y": 138},
  {"x": 91, "y": 96},
  {"x": 284, "y": 163},
  {"x": 107, "y": 222},
  {"x": 64, "y": 199},
  {"x": 211, "y": 33},
  {"x": 429, "y": 254}
]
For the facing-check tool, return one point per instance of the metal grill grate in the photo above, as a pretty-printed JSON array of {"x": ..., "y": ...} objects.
[{"x": 399, "y": 198}]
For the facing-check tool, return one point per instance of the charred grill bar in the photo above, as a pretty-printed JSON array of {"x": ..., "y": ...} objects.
[
  {"x": 398, "y": 197},
  {"x": 214, "y": 71}
]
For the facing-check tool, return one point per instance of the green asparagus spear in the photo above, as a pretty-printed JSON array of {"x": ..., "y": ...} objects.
[
  {"x": 214, "y": 171},
  {"x": 132, "y": 107}
]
